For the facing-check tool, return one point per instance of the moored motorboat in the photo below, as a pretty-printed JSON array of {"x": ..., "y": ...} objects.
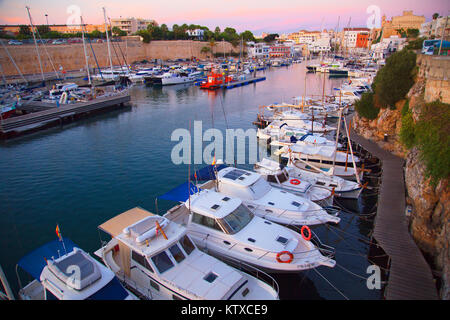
[
  {"x": 155, "y": 257},
  {"x": 225, "y": 227}
]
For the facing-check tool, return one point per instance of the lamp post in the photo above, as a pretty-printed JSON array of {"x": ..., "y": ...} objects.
[{"x": 46, "y": 18}]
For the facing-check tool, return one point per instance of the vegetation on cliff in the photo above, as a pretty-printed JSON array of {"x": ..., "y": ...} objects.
[
  {"x": 390, "y": 85},
  {"x": 430, "y": 134}
]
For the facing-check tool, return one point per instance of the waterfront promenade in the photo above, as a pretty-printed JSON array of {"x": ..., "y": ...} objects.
[{"x": 410, "y": 276}]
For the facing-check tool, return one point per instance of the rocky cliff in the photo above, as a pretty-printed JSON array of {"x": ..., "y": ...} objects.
[{"x": 430, "y": 215}]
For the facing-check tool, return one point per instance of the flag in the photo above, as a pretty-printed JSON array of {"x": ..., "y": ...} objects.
[
  {"x": 214, "y": 160},
  {"x": 58, "y": 233}
]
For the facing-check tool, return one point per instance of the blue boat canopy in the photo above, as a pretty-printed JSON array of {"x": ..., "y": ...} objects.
[
  {"x": 180, "y": 193},
  {"x": 207, "y": 173},
  {"x": 34, "y": 262}
]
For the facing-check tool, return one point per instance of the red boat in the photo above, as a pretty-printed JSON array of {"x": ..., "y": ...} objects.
[
  {"x": 214, "y": 81},
  {"x": 5, "y": 112}
]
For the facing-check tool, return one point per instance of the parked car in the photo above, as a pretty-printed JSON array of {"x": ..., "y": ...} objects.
[
  {"x": 74, "y": 41},
  {"x": 58, "y": 41},
  {"x": 15, "y": 42}
]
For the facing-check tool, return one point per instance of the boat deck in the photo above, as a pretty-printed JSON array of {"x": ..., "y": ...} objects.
[
  {"x": 52, "y": 115},
  {"x": 410, "y": 276}
]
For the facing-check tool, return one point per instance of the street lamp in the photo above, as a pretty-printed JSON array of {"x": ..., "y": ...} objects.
[{"x": 46, "y": 18}]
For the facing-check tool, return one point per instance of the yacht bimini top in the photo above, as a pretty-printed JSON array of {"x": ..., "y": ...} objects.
[{"x": 69, "y": 273}]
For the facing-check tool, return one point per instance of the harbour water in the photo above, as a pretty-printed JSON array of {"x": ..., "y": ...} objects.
[{"x": 85, "y": 173}]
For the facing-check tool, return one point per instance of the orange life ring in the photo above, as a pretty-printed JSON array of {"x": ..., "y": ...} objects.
[
  {"x": 279, "y": 254},
  {"x": 309, "y": 233},
  {"x": 295, "y": 181}
]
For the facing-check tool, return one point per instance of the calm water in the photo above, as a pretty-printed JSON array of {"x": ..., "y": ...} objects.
[{"x": 92, "y": 170}]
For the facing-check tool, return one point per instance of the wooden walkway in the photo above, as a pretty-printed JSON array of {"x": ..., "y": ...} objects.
[
  {"x": 240, "y": 83},
  {"x": 410, "y": 276},
  {"x": 50, "y": 116}
]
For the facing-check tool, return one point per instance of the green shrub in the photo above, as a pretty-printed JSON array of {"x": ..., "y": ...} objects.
[
  {"x": 394, "y": 80},
  {"x": 407, "y": 133},
  {"x": 366, "y": 107},
  {"x": 433, "y": 140}
]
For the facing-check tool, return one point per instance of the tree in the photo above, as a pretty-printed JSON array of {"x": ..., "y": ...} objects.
[
  {"x": 271, "y": 37},
  {"x": 43, "y": 29},
  {"x": 435, "y": 16},
  {"x": 146, "y": 38},
  {"x": 412, "y": 33},
  {"x": 394, "y": 80},
  {"x": 118, "y": 32},
  {"x": 24, "y": 31},
  {"x": 247, "y": 36}
]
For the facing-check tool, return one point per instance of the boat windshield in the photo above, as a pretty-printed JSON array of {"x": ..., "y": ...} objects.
[
  {"x": 259, "y": 188},
  {"x": 237, "y": 220}
]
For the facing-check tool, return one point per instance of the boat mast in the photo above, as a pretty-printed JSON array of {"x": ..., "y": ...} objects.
[
  {"x": 85, "y": 53},
  {"x": 12, "y": 60},
  {"x": 35, "y": 43},
  {"x": 107, "y": 41}
]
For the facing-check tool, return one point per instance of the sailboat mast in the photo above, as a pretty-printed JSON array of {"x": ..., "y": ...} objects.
[
  {"x": 35, "y": 43},
  {"x": 107, "y": 41},
  {"x": 85, "y": 53}
]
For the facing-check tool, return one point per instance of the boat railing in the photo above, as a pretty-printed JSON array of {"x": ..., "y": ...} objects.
[
  {"x": 255, "y": 272},
  {"x": 269, "y": 211}
]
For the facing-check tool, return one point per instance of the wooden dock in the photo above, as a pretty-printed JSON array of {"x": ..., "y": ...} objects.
[
  {"x": 410, "y": 276},
  {"x": 53, "y": 116},
  {"x": 240, "y": 83}
]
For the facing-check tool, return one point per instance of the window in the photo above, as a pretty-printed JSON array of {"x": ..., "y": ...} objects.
[
  {"x": 187, "y": 245},
  {"x": 176, "y": 253},
  {"x": 236, "y": 220},
  {"x": 210, "y": 277},
  {"x": 162, "y": 262},
  {"x": 206, "y": 221},
  {"x": 141, "y": 260}
]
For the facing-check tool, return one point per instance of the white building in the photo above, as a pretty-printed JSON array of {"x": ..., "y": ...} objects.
[
  {"x": 258, "y": 50},
  {"x": 197, "y": 33},
  {"x": 387, "y": 46},
  {"x": 350, "y": 36},
  {"x": 132, "y": 25},
  {"x": 321, "y": 44},
  {"x": 435, "y": 27}
]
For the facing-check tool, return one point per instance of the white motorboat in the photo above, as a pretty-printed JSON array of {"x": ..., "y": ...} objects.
[
  {"x": 171, "y": 78},
  {"x": 279, "y": 131},
  {"x": 268, "y": 202},
  {"x": 281, "y": 178},
  {"x": 226, "y": 228},
  {"x": 325, "y": 156},
  {"x": 61, "y": 271},
  {"x": 341, "y": 187},
  {"x": 155, "y": 257}
]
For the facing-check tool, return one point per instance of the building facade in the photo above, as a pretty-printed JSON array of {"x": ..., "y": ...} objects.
[
  {"x": 436, "y": 28},
  {"x": 406, "y": 21},
  {"x": 132, "y": 25}
]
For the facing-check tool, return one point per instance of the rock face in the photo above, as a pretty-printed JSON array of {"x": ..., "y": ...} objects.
[
  {"x": 430, "y": 217},
  {"x": 388, "y": 122}
]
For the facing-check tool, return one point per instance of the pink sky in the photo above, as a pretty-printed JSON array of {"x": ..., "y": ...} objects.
[{"x": 255, "y": 15}]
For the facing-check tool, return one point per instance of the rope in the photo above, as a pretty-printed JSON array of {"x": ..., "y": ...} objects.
[
  {"x": 331, "y": 284},
  {"x": 356, "y": 275}
]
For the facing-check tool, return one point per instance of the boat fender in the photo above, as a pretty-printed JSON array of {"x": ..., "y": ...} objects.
[
  {"x": 281, "y": 253},
  {"x": 63, "y": 98},
  {"x": 309, "y": 233},
  {"x": 295, "y": 182}
]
